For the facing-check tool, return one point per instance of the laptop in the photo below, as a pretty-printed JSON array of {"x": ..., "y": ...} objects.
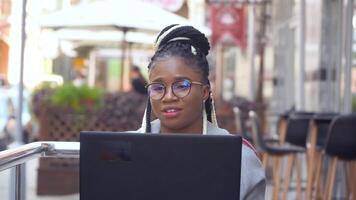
[{"x": 136, "y": 166}]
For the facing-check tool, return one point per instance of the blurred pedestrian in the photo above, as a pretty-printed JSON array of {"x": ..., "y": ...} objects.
[
  {"x": 138, "y": 81},
  {"x": 3, "y": 82}
]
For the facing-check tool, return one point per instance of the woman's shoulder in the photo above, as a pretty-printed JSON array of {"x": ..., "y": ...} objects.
[
  {"x": 253, "y": 181},
  {"x": 212, "y": 130}
]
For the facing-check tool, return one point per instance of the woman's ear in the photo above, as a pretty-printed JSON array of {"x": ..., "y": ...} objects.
[{"x": 206, "y": 92}]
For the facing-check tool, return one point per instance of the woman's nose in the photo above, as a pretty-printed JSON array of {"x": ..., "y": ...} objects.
[{"x": 169, "y": 95}]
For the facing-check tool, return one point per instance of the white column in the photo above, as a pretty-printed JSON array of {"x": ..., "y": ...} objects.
[
  {"x": 92, "y": 69},
  {"x": 348, "y": 57},
  {"x": 300, "y": 93},
  {"x": 251, "y": 49}
]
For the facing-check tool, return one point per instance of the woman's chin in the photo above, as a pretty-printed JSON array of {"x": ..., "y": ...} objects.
[{"x": 173, "y": 126}]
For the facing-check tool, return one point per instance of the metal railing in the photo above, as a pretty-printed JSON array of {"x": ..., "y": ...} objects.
[{"x": 16, "y": 157}]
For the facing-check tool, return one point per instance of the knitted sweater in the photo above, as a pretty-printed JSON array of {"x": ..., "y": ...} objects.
[{"x": 253, "y": 183}]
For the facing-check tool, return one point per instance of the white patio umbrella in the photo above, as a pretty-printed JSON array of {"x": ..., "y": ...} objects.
[
  {"x": 115, "y": 14},
  {"x": 103, "y": 37},
  {"x": 121, "y": 15}
]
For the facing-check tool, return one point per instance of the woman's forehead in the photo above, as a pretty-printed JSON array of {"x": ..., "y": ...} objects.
[{"x": 172, "y": 68}]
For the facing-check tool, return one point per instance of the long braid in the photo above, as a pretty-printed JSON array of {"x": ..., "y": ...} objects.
[
  {"x": 213, "y": 112},
  {"x": 208, "y": 108},
  {"x": 148, "y": 116},
  {"x": 164, "y": 30}
]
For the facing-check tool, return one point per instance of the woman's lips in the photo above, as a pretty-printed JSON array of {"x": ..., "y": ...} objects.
[{"x": 171, "y": 112}]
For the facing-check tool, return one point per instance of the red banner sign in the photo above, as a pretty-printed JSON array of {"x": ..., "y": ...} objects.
[{"x": 228, "y": 19}]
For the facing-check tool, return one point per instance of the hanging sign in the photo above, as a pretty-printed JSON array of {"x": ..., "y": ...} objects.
[{"x": 228, "y": 20}]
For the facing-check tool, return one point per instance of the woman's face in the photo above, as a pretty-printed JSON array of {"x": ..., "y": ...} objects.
[{"x": 178, "y": 115}]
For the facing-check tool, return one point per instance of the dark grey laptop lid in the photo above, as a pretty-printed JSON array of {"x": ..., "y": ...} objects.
[{"x": 133, "y": 166}]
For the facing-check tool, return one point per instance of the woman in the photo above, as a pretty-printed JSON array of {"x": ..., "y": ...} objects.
[{"x": 180, "y": 97}]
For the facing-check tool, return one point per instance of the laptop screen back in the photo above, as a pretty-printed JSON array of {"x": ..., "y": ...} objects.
[{"x": 133, "y": 166}]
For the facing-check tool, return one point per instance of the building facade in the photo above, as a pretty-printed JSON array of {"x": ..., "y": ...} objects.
[{"x": 5, "y": 11}]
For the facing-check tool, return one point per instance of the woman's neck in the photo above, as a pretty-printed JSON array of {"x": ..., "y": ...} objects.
[{"x": 196, "y": 128}]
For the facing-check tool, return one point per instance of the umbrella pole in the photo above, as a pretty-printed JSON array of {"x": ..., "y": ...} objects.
[
  {"x": 129, "y": 65},
  {"x": 123, "y": 55}
]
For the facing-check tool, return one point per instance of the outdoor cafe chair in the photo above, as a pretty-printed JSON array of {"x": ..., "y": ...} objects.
[
  {"x": 297, "y": 131},
  {"x": 275, "y": 151},
  {"x": 315, "y": 145},
  {"x": 341, "y": 145}
]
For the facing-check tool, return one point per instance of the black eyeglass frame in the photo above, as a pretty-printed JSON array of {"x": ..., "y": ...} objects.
[{"x": 165, "y": 88}]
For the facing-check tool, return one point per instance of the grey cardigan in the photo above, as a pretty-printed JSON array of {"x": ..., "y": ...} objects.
[{"x": 253, "y": 182}]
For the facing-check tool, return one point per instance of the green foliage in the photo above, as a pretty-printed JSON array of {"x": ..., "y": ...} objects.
[
  {"x": 43, "y": 86},
  {"x": 79, "y": 99},
  {"x": 354, "y": 103}
]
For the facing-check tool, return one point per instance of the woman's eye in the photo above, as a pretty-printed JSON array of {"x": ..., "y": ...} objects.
[
  {"x": 183, "y": 85},
  {"x": 157, "y": 88}
]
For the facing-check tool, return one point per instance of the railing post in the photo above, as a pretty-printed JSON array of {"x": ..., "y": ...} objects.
[
  {"x": 17, "y": 186},
  {"x": 19, "y": 182}
]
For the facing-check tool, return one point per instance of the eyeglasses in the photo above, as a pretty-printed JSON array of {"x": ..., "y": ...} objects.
[{"x": 180, "y": 89}]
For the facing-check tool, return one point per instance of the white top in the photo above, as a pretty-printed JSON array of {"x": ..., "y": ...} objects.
[{"x": 253, "y": 182}]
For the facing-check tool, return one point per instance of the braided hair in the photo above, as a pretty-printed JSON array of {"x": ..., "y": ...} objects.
[{"x": 188, "y": 43}]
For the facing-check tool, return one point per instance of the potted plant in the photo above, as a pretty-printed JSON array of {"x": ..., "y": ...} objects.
[{"x": 79, "y": 99}]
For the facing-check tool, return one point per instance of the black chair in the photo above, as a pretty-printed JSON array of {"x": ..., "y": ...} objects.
[
  {"x": 315, "y": 145},
  {"x": 297, "y": 132},
  {"x": 298, "y": 128},
  {"x": 341, "y": 145},
  {"x": 323, "y": 121},
  {"x": 282, "y": 124},
  {"x": 263, "y": 145},
  {"x": 277, "y": 152}
]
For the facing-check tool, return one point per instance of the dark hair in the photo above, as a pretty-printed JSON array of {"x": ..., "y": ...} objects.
[{"x": 191, "y": 45}]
